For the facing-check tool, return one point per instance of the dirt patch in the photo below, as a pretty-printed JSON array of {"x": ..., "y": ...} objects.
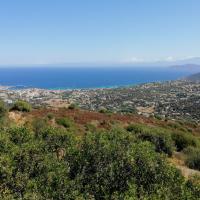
[
  {"x": 17, "y": 117},
  {"x": 178, "y": 161}
]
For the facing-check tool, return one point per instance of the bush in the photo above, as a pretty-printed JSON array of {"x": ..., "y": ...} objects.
[
  {"x": 73, "y": 106},
  {"x": 193, "y": 185},
  {"x": 135, "y": 128},
  {"x": 39, "y": 125},
  {"x": 3, "y": 109},
  {"x": 101, "y": 165},
  {"x": 111, "y": 165},
  {"x": 50, "y": 116},
  {"x": 20, "y": 135},
  {"x": 183, "y": 140},
  {"x": 67, "y": 123},
  {"x": 22, "y": 106},
  {"x": 103, "y": 110},
  {"x": 193, "y": 157},
  {"x": 162, "y": 141}
]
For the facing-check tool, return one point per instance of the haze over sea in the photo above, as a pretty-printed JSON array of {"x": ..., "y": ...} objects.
[{"x": 85, "y": 77}]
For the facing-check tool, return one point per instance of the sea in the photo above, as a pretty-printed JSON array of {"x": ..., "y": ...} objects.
[{"x": 55, "y": 77}]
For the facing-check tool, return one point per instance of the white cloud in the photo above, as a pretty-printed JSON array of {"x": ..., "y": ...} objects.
[{"x": 161, "y": 59}]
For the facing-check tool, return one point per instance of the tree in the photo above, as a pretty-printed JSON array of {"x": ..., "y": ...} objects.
[
  {"x": 3, "y": 109},
  {"x": 21, "y": 105}
]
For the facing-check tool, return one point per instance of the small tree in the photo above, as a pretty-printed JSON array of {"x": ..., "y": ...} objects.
[
  {"x": 73, "y": 106},
  {"x": 21, "y": 105},
  {"x": 3, "y": 109}
]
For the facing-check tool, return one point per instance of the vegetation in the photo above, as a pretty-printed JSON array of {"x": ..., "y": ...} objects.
[
  {"x": 162, "y": 142},
  {"x": 21, "y": 106},
  {"x": 183, "y": 140},
  {"x": 65, "y": 122},
  {"x": 193, "y": 157},
  {"x": 42, "y": 160},
  {"x": 3, "y": 109},
  {"x": 72, "y": 106}
]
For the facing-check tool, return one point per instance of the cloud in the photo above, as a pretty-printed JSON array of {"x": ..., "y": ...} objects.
[
  {"x": 155, "y": 60},
  {"x": 133, "y": 60}
]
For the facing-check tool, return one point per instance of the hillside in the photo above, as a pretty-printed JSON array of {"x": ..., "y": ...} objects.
[
  {"x": 69, "y": 153},
  {"x": 194, "y": 77},
  {"x": 189, "y": 67}
]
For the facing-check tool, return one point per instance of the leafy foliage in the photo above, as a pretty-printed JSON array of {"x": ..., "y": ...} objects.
[
  {"x": 193, "y": 157},
  {"x": 72, "y": 106},
  {"x": 3, "y": 109},
  {"x": 52, "y": 162},
  {"x": 21, "y": 106},
  {"x": 162, "y": 142},
  {"x": 67, "y": 123},
  {"x": 183, "y": 140}
]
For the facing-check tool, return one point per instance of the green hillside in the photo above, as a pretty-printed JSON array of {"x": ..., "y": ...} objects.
[{"x": 75, "y": 154}]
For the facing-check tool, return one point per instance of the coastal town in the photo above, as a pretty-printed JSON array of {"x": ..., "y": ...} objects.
[{"x": 171, "y": 99}]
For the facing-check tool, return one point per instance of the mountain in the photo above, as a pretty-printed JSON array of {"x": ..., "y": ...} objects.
[
  {"x": 194, "y": 77},
  {"x": 191, "y": 67}
]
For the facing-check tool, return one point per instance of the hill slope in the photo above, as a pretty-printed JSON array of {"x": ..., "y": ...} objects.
[
  {"x": 62, "y": 153},
  {"x": 194, "y": 77}
]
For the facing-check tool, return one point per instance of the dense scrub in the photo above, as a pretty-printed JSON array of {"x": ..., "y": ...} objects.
[
  {"x": 47, "y": 158},
  {"x": 21, "y": 105},
  {"x": 53, "y": 163},
  {"x": 193, "y": 157}
]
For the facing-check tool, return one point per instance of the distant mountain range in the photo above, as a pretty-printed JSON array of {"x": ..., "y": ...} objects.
[
  {"x": 192, "y": 67},
  {"x": 194, "y": 77},
  {"x": 187, "y": 62}
]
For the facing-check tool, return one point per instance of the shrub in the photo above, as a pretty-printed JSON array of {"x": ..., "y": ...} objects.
[
  {"x": 56, "y": 138},
  {"x": 3, "y": 109},
  {"x": 72, "y": 106},
  {"x": 39, "y": 125},
  {"x": 111, "y": 165},
  {"x": 135, "y": 128},
  {"x": 158, "y": 117},
  {"x": 103, "y": 110},
  {"x": 183, "y": 140},
  {"x": 22, "y": 106},
  {"x": 162, "y": 141},
  {"x": 50, "y": 116},
  {"x": 67, "y": 123},
  {"x": 193, "y": 158},
  {"x": 101, "y": 165},
  {"x": 20, "y": 135},
  {"x": 193, "y": 185}
]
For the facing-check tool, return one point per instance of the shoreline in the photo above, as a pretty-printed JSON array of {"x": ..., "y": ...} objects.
[{"x": 21, "y": 87}]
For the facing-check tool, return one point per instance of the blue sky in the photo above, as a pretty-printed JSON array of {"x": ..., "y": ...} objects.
[{"x": 98, "y": 31}]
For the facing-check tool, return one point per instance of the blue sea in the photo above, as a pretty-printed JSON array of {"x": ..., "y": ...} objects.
[{"x": 84, "y": 77}]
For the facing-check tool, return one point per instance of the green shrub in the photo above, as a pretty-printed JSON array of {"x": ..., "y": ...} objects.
[
  {"x": 193, "y": 157},
  {"x": 67, "y": 123},
  {"x": 193, "y": 185},
  {"x": 103, "y": 110},
  {"x": 20, "y": 135},
  {"x": 135, "y": 128},
  {"x": 50, "y": 116},
  {"x": 112, "y": 165},
  {"x": 56, "y": 138},
  {"x": 39, "y": 125},
  {"x": 158, "y": 117},
  {"x": 21, "y": 106},
  {"x": 182, "y": 140},
  {"x": 72, "y": 106},
  {"x": 162, "y": 141},
  {"x": 3, "y": 109},
  {"x": 101, "y": 165}
]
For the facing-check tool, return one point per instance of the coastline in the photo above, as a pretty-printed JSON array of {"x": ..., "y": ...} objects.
[{"x": 22, "y": 87}]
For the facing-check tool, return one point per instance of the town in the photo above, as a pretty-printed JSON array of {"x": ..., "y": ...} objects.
[{"x": 172, "y": 99}]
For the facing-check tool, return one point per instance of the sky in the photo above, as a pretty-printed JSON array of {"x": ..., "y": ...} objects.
[{"x": 98, "y": 31}]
